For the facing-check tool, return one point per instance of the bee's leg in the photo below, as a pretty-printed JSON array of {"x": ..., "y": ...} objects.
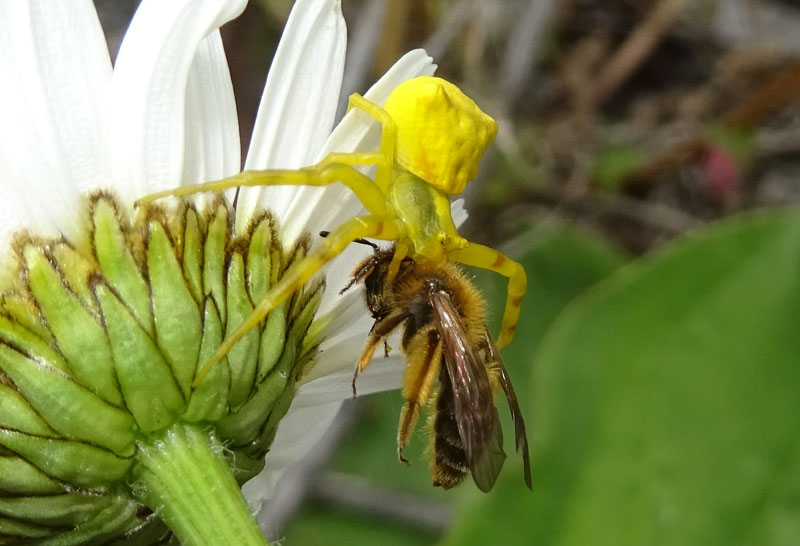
[
  {"x": 380, "y": 330},
  {"x": 417, "y": 383},
  {"x": 300, "y": 273},
  {"x": 324, "y": 173},
  {"x": 489, "y": 258}
]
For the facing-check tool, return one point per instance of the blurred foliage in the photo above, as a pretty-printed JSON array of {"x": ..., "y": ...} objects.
[
  {"x": 614, "y": 163},
  {"x": 324, "y": 525},
  {"x": 665, "y": 403}
]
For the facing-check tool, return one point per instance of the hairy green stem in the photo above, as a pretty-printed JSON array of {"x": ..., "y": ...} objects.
[{"x": 183, "y": 476}]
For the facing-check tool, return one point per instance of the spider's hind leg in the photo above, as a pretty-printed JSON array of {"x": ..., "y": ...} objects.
[{"x": 488, "y": 258}]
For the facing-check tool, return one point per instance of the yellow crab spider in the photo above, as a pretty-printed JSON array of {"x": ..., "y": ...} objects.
[{"x": 433, "y": 137}]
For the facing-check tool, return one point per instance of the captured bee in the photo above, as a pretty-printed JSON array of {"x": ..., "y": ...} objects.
[{"x": 445, "y": 337}]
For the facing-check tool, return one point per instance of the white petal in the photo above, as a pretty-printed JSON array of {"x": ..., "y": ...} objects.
[
  {"x": 299, "y": 101},
  {"x": 55, "y": 76},
  {"x": 382, "y": 374},
  {"x": 148, "y": 104},
  {"x": 211, "y": 148},
  {"x": 458, "y": 212}
]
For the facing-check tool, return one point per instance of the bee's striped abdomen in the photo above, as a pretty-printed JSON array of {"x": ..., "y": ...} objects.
[{"x": 449, "y": 462}]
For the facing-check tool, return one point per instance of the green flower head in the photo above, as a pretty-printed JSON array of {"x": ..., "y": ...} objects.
[{"x": 107, "y": 312}]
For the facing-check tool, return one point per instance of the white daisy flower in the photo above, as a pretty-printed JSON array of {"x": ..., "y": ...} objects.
[{"x": 163, "y": 117}]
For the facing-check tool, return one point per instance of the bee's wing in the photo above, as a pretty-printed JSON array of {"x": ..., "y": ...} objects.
[
  {"x": 478, "y": 422},
  {"x": 520, "y": 436}
]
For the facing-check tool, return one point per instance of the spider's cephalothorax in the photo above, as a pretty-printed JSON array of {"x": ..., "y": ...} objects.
[
  {"x": 441, "y": 315},
  {"x": 433, "y": 137}
]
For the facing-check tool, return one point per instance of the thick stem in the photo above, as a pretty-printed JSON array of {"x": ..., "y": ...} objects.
[{"x": 184, "y": 478}]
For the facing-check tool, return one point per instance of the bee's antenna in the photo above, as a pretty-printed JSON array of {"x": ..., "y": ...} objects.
[{"x": 359, "y": 241}]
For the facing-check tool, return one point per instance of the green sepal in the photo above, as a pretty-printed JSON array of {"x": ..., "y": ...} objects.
[
  {"x": 283, "y": 373},
  {"x": 19, "y": 477},
  {"x": 68, "y": 407},
  {"x": 177, "y": 317},
  {"x": 263, "y": 267},
  {"x": 21, "y": 310},
  {"x": 304, "y": 306},
  {"x": 118, "y": 264},
  {"x": 209, "y": 400},
  {"x": 19, "y": 337},
  {"x": 260, "y": 446},
  {"x": 16, "y": 413},
  {"x": 112, "y": 521},
  {"x": 80, "y": 337},
  {"x": 193, "y": 254},
  {"x": 273, "y": 338},
  {"x": 263, "y": 258},
  {"x": 154, "y": 531},
  {"x": 148, "y": 385},
  {"x": 293, "y": 361},
  {"x": 63, "y": 509},
  {"x": 243, "y": 466},
  {"x": 76, "y": 271},
  {"x": 23, "y": 531},
  {"x": 243, "y": 425},
  {"x": 243, "y": 356},
  {"x": 214, "y": 258},
  {"x": 74, "y": 462}
]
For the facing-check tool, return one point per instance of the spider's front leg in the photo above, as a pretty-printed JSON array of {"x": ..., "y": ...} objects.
[
  {"x": 488, "y": 258},
  {"x": 376, "y": 227},
  {"x": 335, "y": 167},
  {"x": 324, "y": 173},
  {"x": 384, "y": 158}
]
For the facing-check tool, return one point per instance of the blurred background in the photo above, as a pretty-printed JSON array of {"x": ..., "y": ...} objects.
[{"x": 645, "y": 174}]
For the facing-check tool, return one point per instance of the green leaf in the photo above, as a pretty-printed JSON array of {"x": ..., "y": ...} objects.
[{"x": 666, "y": 403}]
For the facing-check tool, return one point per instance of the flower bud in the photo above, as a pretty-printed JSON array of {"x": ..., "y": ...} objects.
[{"x": 101, "y": 342}]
